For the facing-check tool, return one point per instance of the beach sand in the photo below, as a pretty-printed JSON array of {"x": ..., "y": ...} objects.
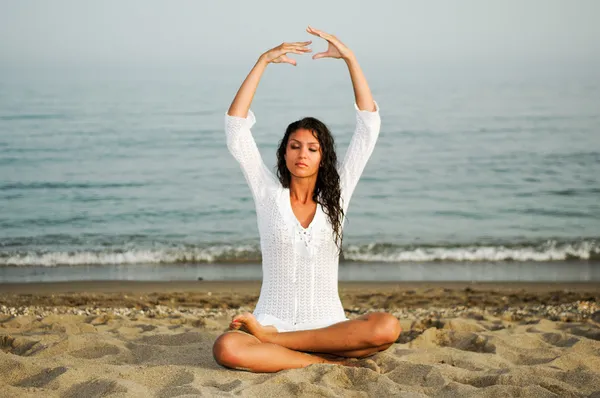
[{"x": 145, "y": 339}]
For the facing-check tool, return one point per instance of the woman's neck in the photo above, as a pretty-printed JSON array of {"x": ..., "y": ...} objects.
[{"x": 302, "y": 189}]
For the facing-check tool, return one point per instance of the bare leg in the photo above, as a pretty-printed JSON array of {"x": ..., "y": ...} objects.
[
  {"x": 363, "y": 333},
  {"x": 238, "y": 350},
  {"x": 362, "y": 353}
]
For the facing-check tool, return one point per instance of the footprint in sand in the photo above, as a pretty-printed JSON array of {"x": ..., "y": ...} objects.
[
  {"x": 146, "y": 328},
  {"x": 20, "y": 345},
  {"x": 559, "y": 340},
  {"x": 180, "y": 378},
  {"x": 230, "y": 386},
  {"x": 464, "y": 341},
  {"x": 95, "y": 388},
  {"x": 590, "y": 332},
  {"x": 42, "y": 378},
  {"x": 174, "y": 340},
  {"x": 179, "y": 392},
  {"x": 96, "y": 352},
  {"x": 161, "y": 376}
]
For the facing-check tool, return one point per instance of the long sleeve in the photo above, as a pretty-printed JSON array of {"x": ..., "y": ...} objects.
[
  {"x": 359, "y": 151},
  {"x": 242, "y": 146}
]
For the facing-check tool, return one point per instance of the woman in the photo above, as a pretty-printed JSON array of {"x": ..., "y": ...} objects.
[{"x": 299, "y": 319}]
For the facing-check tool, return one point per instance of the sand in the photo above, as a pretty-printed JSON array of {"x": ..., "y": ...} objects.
[{"x": 126, "y": 339}]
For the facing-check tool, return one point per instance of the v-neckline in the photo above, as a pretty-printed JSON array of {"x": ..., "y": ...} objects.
[{"x": 288, "y": 200}]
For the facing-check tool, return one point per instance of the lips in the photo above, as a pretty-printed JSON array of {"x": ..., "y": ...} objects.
[{"x": 301, "y": 164}]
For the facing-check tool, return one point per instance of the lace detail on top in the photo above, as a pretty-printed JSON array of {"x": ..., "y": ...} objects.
[{"x": 300, "y": 265}]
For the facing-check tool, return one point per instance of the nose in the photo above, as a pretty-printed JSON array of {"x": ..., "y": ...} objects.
[{"x": 303, "y": 154}]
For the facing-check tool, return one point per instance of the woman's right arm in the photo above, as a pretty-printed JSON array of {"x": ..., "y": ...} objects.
[
  {"x": 239, "y": 119},
  {"x": 241, "y": 103}
]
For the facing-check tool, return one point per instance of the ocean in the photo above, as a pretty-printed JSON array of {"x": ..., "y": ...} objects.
[{"x": 108, "y": 174}]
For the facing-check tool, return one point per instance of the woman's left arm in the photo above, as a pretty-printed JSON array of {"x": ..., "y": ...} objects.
[
  {"x": 362, "y": 92},
  {"x": 368, "y": 121},
  {"x": 337, "y": 49}
]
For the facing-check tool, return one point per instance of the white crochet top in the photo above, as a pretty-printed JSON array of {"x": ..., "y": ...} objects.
[{"x": 299, "y": 265}]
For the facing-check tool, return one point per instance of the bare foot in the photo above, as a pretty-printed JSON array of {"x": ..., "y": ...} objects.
[{"x": 248, "y": 323}]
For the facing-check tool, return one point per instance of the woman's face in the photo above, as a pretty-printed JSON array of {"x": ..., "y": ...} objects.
[{"x": 303, "y": 153}]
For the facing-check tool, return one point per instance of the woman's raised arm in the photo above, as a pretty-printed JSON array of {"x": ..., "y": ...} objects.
[
  {"x": 337, "y": 49},
  {"x": 368, "y": 121},
  {"x": 239, "y": 119},
  {"x": 241, "y": 103}
]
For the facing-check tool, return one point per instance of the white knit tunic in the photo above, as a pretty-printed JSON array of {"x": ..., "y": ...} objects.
[{"x": 300, "y": 265}]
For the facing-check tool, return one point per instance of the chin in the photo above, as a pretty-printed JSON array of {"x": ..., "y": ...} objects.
[{"x": 300, "y": 172}]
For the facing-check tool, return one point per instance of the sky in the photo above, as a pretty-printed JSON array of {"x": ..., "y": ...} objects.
[{"x": 462, "y": 33}]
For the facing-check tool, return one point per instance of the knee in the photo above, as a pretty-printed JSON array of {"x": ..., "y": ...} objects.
[
  {"x": 225, "y": 352},
  {"x": 386, "y": 329}
]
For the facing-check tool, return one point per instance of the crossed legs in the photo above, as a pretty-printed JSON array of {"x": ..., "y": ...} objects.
[{"x": 266, "y": 350}]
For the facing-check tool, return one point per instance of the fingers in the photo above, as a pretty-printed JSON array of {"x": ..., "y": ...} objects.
[
  {"x": 290, "y": 47},
  {"x": 285, "y": 59},
  {"x": 317, "y": 32},
  {"x": 312, "y": 32},
  {"x": 298, "y": 51},
  {"x": 288, "y": 60},
  {"x": 298, "y": 47},
  {"x": 295, "y": 49},
  {"x": 323, "y": 35},
  {"x": 297, "y": 44}
]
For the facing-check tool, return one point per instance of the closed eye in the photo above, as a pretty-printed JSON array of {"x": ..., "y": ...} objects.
[{"x": 310, "y": 149}]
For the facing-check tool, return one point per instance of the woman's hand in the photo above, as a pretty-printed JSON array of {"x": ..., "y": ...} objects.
[
  {"x": 336, "y": 48},
  {"x": 278, "y": 55}
]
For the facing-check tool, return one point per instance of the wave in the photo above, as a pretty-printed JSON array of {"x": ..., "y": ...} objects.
[
  {"x": 550, "y": 250},
  {"x": 214, "y": 254}
]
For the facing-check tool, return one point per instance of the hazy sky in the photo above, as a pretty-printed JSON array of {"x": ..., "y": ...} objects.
[{"x": 417, "y": 33}]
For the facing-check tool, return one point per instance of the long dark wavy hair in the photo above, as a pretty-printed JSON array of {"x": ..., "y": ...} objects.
[{"x": 327, "y": 190}]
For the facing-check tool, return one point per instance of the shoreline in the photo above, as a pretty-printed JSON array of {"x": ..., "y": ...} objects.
[
  {"x": 514, "y": 272},
  {"x": 356, "y": 297},
  {"x": 117, "y": 286}
]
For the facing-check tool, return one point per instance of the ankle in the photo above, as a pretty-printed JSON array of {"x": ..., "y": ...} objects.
[{"x": 269, "y": 336}]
